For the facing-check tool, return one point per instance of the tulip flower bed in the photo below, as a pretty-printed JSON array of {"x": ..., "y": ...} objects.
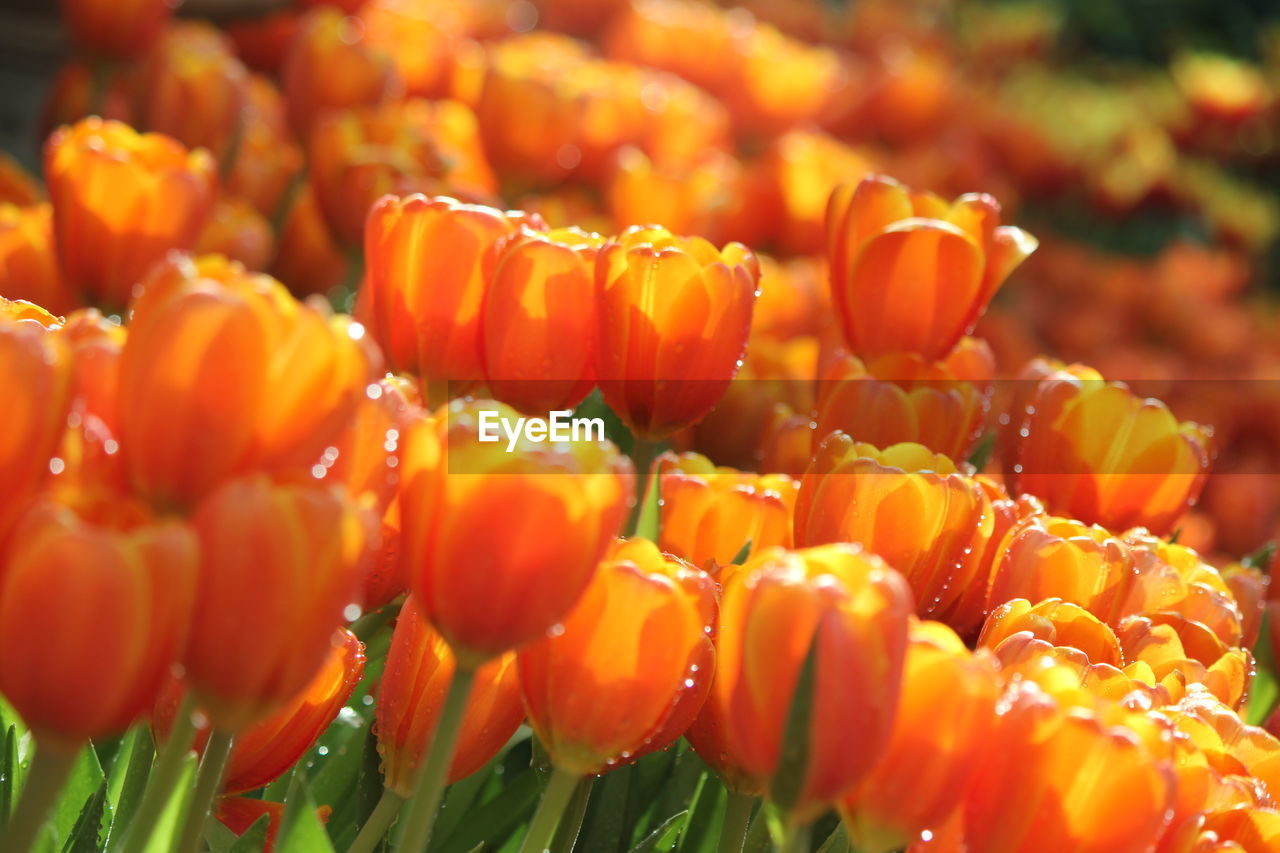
[{"x": 884, "y": 545}]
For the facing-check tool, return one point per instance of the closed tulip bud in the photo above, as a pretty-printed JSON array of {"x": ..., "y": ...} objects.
[
  {"x": 852, "y": 610},
  {"x": 238, "y": 232},
  {"x": 1095, "y": 451},
  {"x": 710, "y": 514},
  {"x": 403, "y": 147},
  {"x": 1050, "y": 557},
  {"x": 38, "y": 368},
  {"x": 1057, "y": 622},
  {"x": 224, "y": 373},
  {"x": 571, "y": 498},
  {"x": 263, "y": 752},
  {"x": 910, "y": 506},
  {"x": 911, "y": 273},
  {"x": 278, "y": 568},
  {"x": 95, "y": 344},
  {"x": 331, "y": 64},
  {"x": 429, "y": 324},
  {"x": 603, "y": 686},
  {"x": 1060, "y": 780},
  {"x": 121, "y": 201},
  {"x": 411, "y": 696},
  {"x": 943, "y": 725},
  {"x": 191, "y": 86},
  {"x": 28, "y": 260},
  {"x": 115, "y": 29},
  {"x": 365, "y": 457},
  {"x": 93, "y": 614},
  {"x": 684, "y": 310},
  {"x": 904, "y": 398},
  {"x": 538, "y": 323}
]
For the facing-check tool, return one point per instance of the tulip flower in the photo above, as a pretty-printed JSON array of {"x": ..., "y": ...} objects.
[
  {"x": 1095, "y": 451},
  {"x": 191, "y": 86},
  {"x": 278, "y": 567},
  {"x": 121, "y": 201},
  {"x": 308, "y": 258},
  {"x": 113, "y": 29},
  {"x": 683, "y": 309},
  {"x": 607, "y": 657},
  {"x": 1171, "y": 644},
  {"x": 910, "y": 506},
  {"x": 1057, "y": 622},
  {"x": 421, "y": 38},
  {"x": 903, "y": 398},
  {"x": 331, "y": 64},
  {"x": 94, "y": 610},
  {"x": 1173, "y": 577},
  {"x": 38, "y": 366},
  {"x": 911, "y": 273},
  {"x": 267, "y": 160},
  {"x": 1064, "y": 781},
  {"x": 852, "y": 610},
  {"x": 1249, "y": 587},
  {"x": 263, "y": 752},
  {"x": 223, "y": 373},
  {"x": 238, "y": 232},
  {"x": 365, "y": 456},
  {"x": 944, "y": 723},
  {"x": 538, "y": 321},
  {"x": 426, "y": 283},
  {"x": 709, "y": 514},
  {"x": 28, "y": 260},
  {"x": 410, "y": 698},
  {"x": 570, "y": 499},
  {"x": 402, "y": 147},
  {"x": 799, "y": 169}
]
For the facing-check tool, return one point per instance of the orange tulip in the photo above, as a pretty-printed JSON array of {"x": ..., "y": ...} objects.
[
  {"x": 902, "y": 397},
  {"x": 365, "y": 456},
  {"x": 853, "y": 609},
  {"x": 679, "y": 311},
  {"x": 942, "y": 729},
  {"x": 420, "y": 36},
  {"x": 569, "y": 498},
  {"x": 121, "y": 201},
  {"x": 707, "y": 197},
  {"x": 1057, "y": 622},
  {"x": 710, "y": 513},
  {"x": 410, "y": 698},
  {"x": 429, "y": 324},
  {"x": 93, "y": 614},
  {"x": 911, "y": 273},
  {"x": 191, "y": 86},
  {"x": 1171, "y": 644},
  {"x": 224, "y": 373},
  {"x": 238, "y": 814},
  {"x": 17, "y": 186},
  {"x": 1059, "y": 781},
  {"x": 331, "y": 64},
  {"x": 1173, "y": 578},
  {"x": 238, "y": 232},
  {"x": 262, "y": 753},
  {"x": 95, "y": 345},
  {"x": 1249, "y": 587},
  {"x": 1093, "y": 450},
  {"x": 634, "y": 641},
  {"x": 308, "y": 258},
  {"x": 267, "y": 160},
  {"x": 115, "y": 29},
  {"x": 278, "y": 568},
  {"x": 403, "y": 147},
  {"x": 538, "y": 321},
  {"x": 37, "y": 363},
  {"x": 28, "y": 260},
  {"x": 910, "y": 506}
]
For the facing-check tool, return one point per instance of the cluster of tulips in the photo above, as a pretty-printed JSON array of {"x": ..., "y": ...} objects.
[{"x": 858, "y": 568}]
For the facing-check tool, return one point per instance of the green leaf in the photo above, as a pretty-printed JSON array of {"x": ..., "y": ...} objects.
[
  {"x": 1261, "y": 558},
  {"x": 793, "y": 763},
  {"x": 651, "y": 777},
  {"x": 606, "y": 819},
  {"x": 169, "y": 824},
  {"x": 336, "y": 779},
  {"x": 981, "y": 454},
  {"x": 254, "y": 838},
  {"x": 8, "y": 772},
  {"x": 570, "y": 826},
  {"x": 460, "y": 797},
  {"x": 664, "y": 835},
  {"x": 706, "y": 811},
  {"x": 128, "y": 778},
  {"x": 743, "y": 552},
  {"x": 837, "y": 842},
  {"x": 1264, "y": 690},
  {"x": 648, "y": 521},
  {"x": 83, "y": 784},
  {"x": 300, "y": 827},
  {"x": 492, "y": 823},
  {"x": 88, "y": 826}
]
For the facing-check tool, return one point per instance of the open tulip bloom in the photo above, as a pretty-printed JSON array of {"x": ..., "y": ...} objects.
[{"x": 634, "y": 426}]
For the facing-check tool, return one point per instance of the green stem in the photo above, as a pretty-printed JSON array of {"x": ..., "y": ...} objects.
[
  {"x": 554, "y": 799},
  {"x": 208, "y": 783},
  {"x": 429, "y": 788},
  {"x": 163, "y": 780},
  {"x": 370, "y": 623},
  {"x": 737, "y": 815},
  {"x": 566, "y": 835},
  {"x": 49, "y": 772},
  {"x": 378, "y": 823},
  {"x": 643, "y": 453},
  {"x": 796, "y": 839}
]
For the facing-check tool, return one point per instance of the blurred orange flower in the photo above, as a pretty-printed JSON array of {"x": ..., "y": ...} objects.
[
  {"x": 28, "y": 259},
  {"x": 237, "y": 231},
  {"x": 121, "y": 201},
  {"x": 636, "y": 641},
  {"x": 119, "y": 29}
]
